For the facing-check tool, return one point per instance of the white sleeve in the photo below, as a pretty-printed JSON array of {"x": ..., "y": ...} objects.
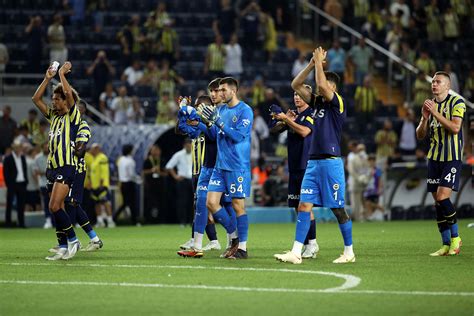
[{"x": 173, "y": 161}]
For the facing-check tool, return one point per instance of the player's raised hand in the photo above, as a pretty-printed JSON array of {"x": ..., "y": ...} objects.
[
  {"x": 51, "y": 72},
  {"x": 319, "y": 55},
  {"x": 183, "y": 101},
  {"x": 65, "y": 68}
]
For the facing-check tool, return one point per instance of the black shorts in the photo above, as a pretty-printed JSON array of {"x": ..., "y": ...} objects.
[
  {"x": 294, "y": 188},
  {"x": 443, "y": 174},
  {"x": 100, "y": 195},
  {"x": 372, "y": 198},
  {"x": 63, "y": 174},
  {"x": 76, "y": 192}
]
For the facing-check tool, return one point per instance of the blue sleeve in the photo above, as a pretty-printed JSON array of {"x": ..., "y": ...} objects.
[
  {"x": 210, "y": 132},
  {"x": 242, "y": 129}
]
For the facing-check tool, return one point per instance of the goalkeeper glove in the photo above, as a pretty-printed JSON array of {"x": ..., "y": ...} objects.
[{"x": 209, "y": 115}]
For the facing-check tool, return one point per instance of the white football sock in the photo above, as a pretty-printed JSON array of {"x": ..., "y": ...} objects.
[
  {"x": 243, "y": 245},
  {"x": 297, "y": 248},
  {"x": 348, "y": 251},
  {"x": 198, "y": 240}
]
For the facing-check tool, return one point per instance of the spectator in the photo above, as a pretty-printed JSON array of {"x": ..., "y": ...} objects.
[
  {"x": 152, "y": 37},
  {"x": 106, "y": 99},
  {"x": 41, "y": 136},
  {"x": 225, "y": 23},
  {"x": 336, "y": 59},
  {"x": 120, "y": 106},
  {"x": 233, "y": 61},
  {"x": 4, "y": 57},
  {"x": 135, "y": 113},
  {"x": 250, "y": 25},
  {"x": 57, "y": 40},
  {"x": 161, "y": 15},
  {"x": 254, "y": 145},
  {"x": 215, "y": 58},
  {"x": 14, "y": 173},
  {"x": 168, "y": 80},
  {"x": 352, "y": 146},
  {"x": 373, "y": 209},
  {"x": 393, "y": 39},
  {"x": 169, "y": 43},
  {"x": 365, "y": 103},
  {"x": 425, "y": 63},
  {"x": 166, "y": 108},
  {"x": 451, "y": 25},
  {"x": 133, "y": 73},
  {"x": 419, "y": 16},
  {"x": 96, "y": 8},
  {"x": 102, "y": 72},
  {"x": 421, "y": 92},
  {"x": 153, "y": 184},
  {"x": 78, "y": 12},
  {"x": 31, "y": 123},
  {"x": 98, "y": 182},
  {"x": 130, "y": 39},
  {"x": 299, "y": 64},
  {"x": 386, "y": 140},
  {"x": 41, "y": 163},
  {"x": 127, "y": 177},
  {"x": 454, "y": 78},
  {"x": 334, "y": 8},
  {"x": 358, "y": 170},
  {"x": 7, "y": 129},
  {"x": 260, "y": 172},
  {"x": 463, "y": 10},
  {"x": 361, "y": 57},
  {"x": 400, "y": 7},
  {"x": 36, "y": 38},
  {"x": 469, "y": 85},
  {"x": 433, "y": 24},
  {"x": 182, "y": 161},
  {"x": 270, "y": 36},
  {"x": 257, "y": 91},
  {"x": 260, "y": 125},
  {"x": 32, "y": 200},
  {"x": 23, "y": 136},
  {"x": 151, "y": 74},
  {"x": 361, "y": 11},
  {"x": 270, "y": 97},
  {"x": 407, "y": 134}
]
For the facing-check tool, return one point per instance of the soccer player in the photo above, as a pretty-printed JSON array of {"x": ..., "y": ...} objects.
[
  {"x": 65, "y": 119},
  {"x": 299, "y": 126},
  {"x": 442, "y": 120},
  {"x": 74, "y": 199},
  {"x": 324, "y": 181},
  {"x": 99, "y": 181},
  {"x": 232, "y": 124}
]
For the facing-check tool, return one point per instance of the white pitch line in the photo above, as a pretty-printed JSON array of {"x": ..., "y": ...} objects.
[
  {"x": 351, "y": 281},
  {"x": 235, "y": 288}
]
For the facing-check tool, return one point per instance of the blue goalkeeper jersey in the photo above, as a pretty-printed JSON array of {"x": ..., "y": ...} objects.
[{"x": 233, "y": 139}]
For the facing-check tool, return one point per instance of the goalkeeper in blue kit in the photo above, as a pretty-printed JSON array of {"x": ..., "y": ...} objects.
[{"x": 232, "y": 124}]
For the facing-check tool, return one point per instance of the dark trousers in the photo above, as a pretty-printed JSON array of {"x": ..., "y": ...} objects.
[
  {"x": 184, "y": 204},
  {"x": 18, "y": 191},
  {"x": 45, "y": 198},
  {"x": 128, "y": 190}
]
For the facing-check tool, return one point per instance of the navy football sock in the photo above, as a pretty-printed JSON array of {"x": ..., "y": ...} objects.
[
  {"x": 64, "y": 223},
  {"x": 211, "y": 231},
  {"x": 83, "y": 221},
  {"x": 450, "y": 216}
]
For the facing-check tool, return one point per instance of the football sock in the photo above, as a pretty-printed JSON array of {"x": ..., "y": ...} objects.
[
  {"x": 198, "y": 240},
  {"x": 450, "y": 216},
  {"x": 71, "y": 212},
  {"x": 64, "y": 223},
  {"x": 222, "y": 217},
  {"x": 346, "y": 231},
  {"x": 211, "y": 231},
  {"x": 230, "y": 210},
  {"x": 83, "y": 221},
  {"x": 311, "y": 232},
  {"x": 62, "y": 239},
  {"x": 200, "y": 218},
  {"x": 302, "y": 226},
  {"x": 243, "y": 230},
  {"x": 443, "y": 226},
  {"x": 192, "y": 230},
  {"x": 297, "y": 248}
]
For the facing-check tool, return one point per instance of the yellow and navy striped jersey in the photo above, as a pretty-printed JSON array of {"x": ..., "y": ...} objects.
[
  {"x": 365, "y": 99},
  {"x": 445, "y": 146},
  {"x": 98, "y": 171},
  {"x": 197, "y": 153},
  {"x": 216, "y": 57},
  {"x": 62, "y": 135},
  {"x": 33, "y": 127},
  {"x": 83, "y": 136}
]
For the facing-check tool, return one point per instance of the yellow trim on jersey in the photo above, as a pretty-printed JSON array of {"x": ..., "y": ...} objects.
[
  {"x": 310, "y": 119},
  {"x": 341, "y": 103}
]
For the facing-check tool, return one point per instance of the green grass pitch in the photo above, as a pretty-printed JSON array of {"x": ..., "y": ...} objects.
[{"x": 138, "y": 272}]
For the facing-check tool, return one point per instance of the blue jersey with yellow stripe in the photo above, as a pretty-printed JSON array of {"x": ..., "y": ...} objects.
[
  {"x": 299, "y": 146},
  {"x": 83, "y": 136},
  {"x": 329, "y": 118},
  {"x": 62, "y": 135},
  {"x": 445, "y": 146}
]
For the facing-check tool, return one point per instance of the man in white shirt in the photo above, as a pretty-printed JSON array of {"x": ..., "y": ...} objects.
[
  {"x": 133, "y": 73},
  {"x": 14, "y": 172},
  {"x": 120, "y": 106},
  {"x": 233, "y": 60},
  {"x": 127, "y": 175},
  {"x": 407, "y": 135},
  {"x": 41, "y": 162},
  {"x": 182, "y": 161}
]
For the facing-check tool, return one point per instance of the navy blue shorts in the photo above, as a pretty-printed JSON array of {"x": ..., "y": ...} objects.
[
  {"x": 294, "y": 187},
  {"x": 443, "y": 174},
  {"x": 100, "y": 195},
  {"x": 76, "y": 192},
  {"x": 64, "y": 175}
]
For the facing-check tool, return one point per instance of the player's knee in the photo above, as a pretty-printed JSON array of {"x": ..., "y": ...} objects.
[
  {"x": 341, "y": 215},
  {"x": 212, "y": 206},
  {"x": 54, "y": 205},
  {"x": 305, "y": 207}
]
